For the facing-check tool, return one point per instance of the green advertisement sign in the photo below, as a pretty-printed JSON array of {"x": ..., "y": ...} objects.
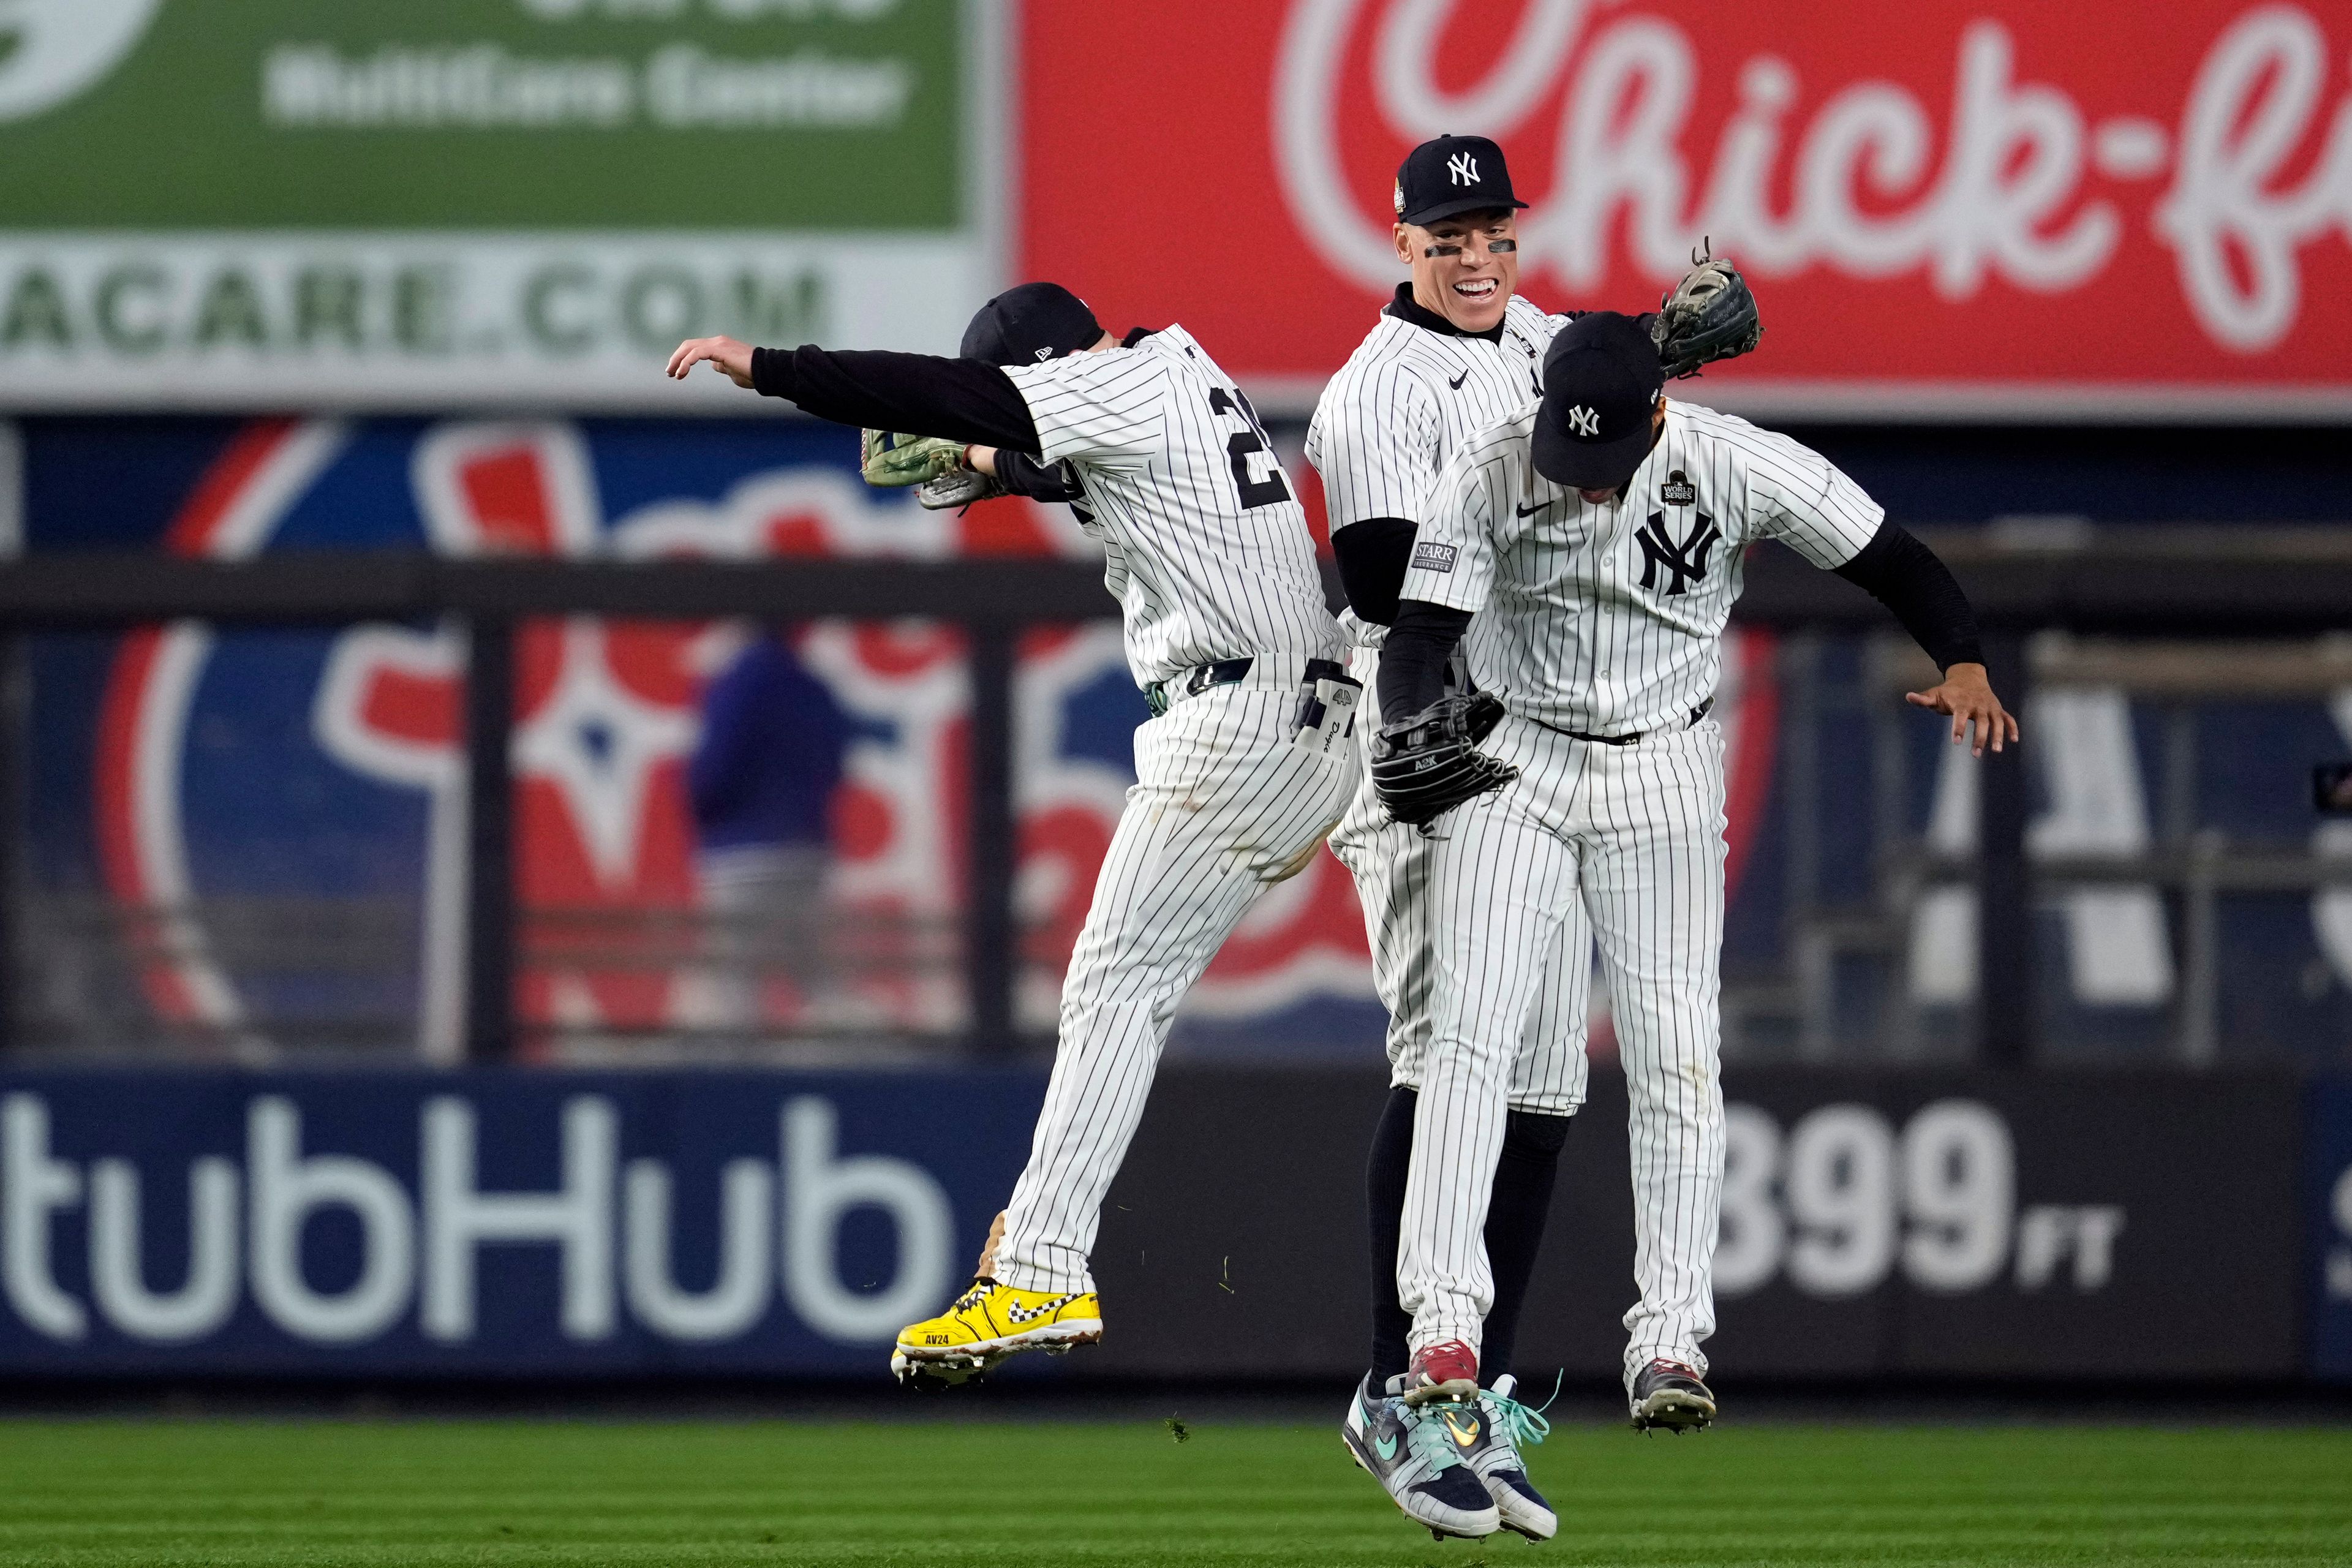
[{"x": 424, "y": 202}]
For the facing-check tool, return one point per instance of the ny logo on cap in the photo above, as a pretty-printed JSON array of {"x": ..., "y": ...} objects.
[
  {"x": 1583, "y": 421},
  {"x": 1464, "y": 168}
]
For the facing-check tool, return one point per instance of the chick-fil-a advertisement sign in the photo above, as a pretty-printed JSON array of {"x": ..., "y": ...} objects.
[{"x": 1944, "y": 206}]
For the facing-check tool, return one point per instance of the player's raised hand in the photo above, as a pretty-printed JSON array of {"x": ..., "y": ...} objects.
[
  {"x": 730, "y": 355},
  {"x": 1968, "y": 697}
]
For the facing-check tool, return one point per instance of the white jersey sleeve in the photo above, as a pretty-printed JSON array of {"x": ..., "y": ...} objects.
[
  {"x": 1802, "y": 499},
  {"x": 1454, "y": 552},
  {"x": 1104, "y": 409},
  {"x": 1376, "y": 441}
]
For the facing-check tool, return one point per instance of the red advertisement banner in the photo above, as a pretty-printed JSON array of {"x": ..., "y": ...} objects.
[{"x": 1946, "y": 208}]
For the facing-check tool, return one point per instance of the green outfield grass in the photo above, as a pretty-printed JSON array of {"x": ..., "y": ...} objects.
[{"x": 1114, "y": 1493}]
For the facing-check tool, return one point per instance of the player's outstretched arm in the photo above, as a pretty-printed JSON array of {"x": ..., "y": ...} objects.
[
  {"x": 1909, "y": 578},
  {"x": 957, "y": 399},
  {"x": 730, "y": 356},
  {"x": 1967, "y": 695}
]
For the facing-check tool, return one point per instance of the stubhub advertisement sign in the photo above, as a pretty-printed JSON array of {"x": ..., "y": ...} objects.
[{"x": 490, "y": 1221}]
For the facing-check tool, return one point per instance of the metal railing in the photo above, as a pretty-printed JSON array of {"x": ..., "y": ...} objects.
[
  {"x": 2197, "y": 865},
  {"x": 2180, "y": 584}
]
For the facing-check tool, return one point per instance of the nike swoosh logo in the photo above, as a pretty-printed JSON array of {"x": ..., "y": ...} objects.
[
  {"x": 1456, "y": 383},
  {"x": 1468, "y": 1440},
  {"x": 1386, "y": 1446},
  {"x": 1531, "y": 510},
  {"x": 1026, "y": 1314}
]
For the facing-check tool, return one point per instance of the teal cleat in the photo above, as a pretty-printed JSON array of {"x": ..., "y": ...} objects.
[
  {"x": 1506, "y": 1426},
  {"x": 1420, "y": 1453}
]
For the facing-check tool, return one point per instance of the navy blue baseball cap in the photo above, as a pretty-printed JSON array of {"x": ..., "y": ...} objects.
[
  {"x": 1452, "y": 175},
  {"x": 1034, "y": 322},
  {"x": 1601, "y": 378}
]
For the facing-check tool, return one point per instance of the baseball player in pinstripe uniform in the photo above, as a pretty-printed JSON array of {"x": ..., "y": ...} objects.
[
  {"x": 1591, "y": 546},
  {"x": 1454, "y": 351},
  {"x": 1249, "y": 759}
]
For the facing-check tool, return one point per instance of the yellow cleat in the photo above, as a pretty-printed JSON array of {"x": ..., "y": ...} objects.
[{"x": 990, "y": 1321}]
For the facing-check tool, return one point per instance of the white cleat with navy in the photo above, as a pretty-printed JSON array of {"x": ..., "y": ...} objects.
[{"x": 1421, "y": 1455}]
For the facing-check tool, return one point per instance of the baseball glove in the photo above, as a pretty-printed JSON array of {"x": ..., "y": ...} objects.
[
  {"x": 893, "y": 462},
  {"x": 1709, "y": 316},
  {"x": 959, "y": 489},
  {"x": 1424, "y": 766}
]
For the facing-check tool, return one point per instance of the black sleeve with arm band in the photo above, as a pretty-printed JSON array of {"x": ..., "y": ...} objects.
[
  {"x": 959, "y": 399},
  {"x": 1413, "y": 659},
  {"x": 1025, "y": 475},
  {"x": 1905, "y": 575},
  {"x": 1372, "y": 557}
]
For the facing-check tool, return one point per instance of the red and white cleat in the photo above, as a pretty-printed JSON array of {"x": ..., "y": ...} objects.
[{"x": 1447, "y": 1369}]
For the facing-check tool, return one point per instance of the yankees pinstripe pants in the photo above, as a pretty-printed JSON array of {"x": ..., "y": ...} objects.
[
  {"x": 1226, "y": 803},
  {"x": 1390, "y": 863},
  {"x": 1635, "y": 834}
]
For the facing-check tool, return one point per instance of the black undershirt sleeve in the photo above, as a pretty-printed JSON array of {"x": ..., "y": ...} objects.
[
  {"x": 962, "y": 400},
  {"x": 1372, "y": 555},
  {"x": 1025, "y": 475},
  {"x": 1413, "y": 659},
  {"x": 1905, "y": 576}
]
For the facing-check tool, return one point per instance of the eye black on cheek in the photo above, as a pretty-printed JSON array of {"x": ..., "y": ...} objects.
[
  {"x": 1501, "y": 247},
  {"x": 1437, "y": 250}
]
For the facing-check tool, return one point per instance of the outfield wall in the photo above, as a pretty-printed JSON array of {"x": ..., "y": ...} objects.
[{"x": 494, "y": 1223}]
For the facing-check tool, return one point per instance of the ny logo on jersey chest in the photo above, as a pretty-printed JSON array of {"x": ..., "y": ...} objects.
[{"x": 1685, "y": 562}]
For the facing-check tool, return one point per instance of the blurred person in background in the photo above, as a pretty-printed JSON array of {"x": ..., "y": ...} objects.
[{"x": 761, "y": 785}]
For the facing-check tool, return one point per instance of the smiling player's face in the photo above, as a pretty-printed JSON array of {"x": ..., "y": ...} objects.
[{"x": 1465, "y": 268}]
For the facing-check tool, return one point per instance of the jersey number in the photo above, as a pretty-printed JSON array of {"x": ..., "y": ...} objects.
[{"x": 1246, "y": 445}]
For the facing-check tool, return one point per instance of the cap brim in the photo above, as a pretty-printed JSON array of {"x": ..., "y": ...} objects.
[
  {"x": 1587, "y": 465},
  {"x": 1457, "y": 207}
]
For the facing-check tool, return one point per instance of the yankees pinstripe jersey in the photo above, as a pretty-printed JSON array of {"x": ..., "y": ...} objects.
[
  {"x": 1383, "y": 429},
  {"x": 1207, "y": 549},
  {"x": 1407, "y": 399},
  {"x": 1608, "y": 619}
]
